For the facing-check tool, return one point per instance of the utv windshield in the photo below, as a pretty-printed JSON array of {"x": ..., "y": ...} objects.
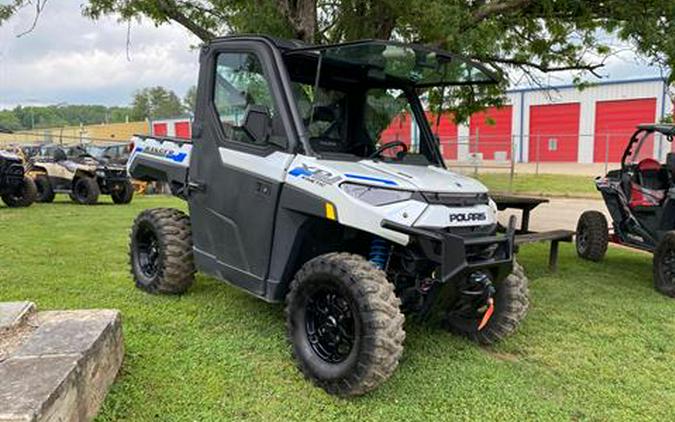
[{"x": 361, "y": 100}]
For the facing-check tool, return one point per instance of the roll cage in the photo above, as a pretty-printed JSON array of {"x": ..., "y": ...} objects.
[
  {"x": 640, "y": 135},
  {"x": 379, "y": 68}
]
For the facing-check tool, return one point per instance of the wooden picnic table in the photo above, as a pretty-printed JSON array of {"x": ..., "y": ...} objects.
[
  {"x": 524, "y": 236},
  {"x": 524, "y": 203}
]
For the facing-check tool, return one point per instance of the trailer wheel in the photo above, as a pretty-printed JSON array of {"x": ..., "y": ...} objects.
[
  {"x": 344, "y": 324},
  {"x": 24, "y": 195},
  {"x": 592, "y": 236},
  {"x": 160, "y": 251},
  {"x": 664, "y": 265},
  {"x": 124, "y": 195},
  {"x": 45, "y": 193},
  {"x": 511, "y": 302},
  {"x": 86, "y": 191}
]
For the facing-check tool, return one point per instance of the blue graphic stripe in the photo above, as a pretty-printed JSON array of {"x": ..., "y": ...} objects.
[
  {"x": 178, "y": 158},
  {"x": 300, "y": 171},
  {"x": 371, "y": 179}
]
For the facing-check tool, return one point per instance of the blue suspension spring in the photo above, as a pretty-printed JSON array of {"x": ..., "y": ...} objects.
[{"x": 379, "y": 252}]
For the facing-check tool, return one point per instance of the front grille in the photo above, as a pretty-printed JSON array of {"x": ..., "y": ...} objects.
[{"x": 456, "y": 199}]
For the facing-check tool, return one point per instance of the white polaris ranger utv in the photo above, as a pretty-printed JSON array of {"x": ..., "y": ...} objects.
[{"x": 297, "y": 193}]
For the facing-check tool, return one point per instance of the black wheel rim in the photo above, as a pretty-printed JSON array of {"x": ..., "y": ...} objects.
[
  {"x": 330, "y": 325},
  {"x": 147, "y": 247},
  {"x": 81, "y": 190}
]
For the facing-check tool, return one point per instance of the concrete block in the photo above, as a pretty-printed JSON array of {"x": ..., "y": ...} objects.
[{"x": 65, "y": 368}]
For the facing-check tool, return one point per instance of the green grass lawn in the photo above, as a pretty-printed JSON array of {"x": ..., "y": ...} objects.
[
  {"x": 542, "y": 184},
  {"x": 598, "y": 343}
]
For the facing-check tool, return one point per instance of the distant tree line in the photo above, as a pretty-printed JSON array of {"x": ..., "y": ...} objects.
[{"x": 148, "y": 103}]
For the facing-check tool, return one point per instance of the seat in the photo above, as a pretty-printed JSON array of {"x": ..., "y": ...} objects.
[{"x": 649, "y": 187}]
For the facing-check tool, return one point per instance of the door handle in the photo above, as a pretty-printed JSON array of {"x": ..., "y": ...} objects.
[
  {"x": 195, "y": 186},
  {"x": 263, "y": 188}
]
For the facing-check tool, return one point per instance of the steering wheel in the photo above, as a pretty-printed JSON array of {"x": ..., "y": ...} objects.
[{"x": 390, "y": 145}]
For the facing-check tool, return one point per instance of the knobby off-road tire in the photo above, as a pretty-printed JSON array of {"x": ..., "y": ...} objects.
[
  {"x": 24, "y": 196},
  {"x": 45, "y": 193},
  {"x": 124, "y": 195},
  {"x": 664, "y": 265},
  {"x": 511, "y": 302},
  {"x": 86, "y": 191},
  {"x": 592, "y": 236},
  {"x": 160, "y": 251},
  {"x": 358, "y": 289}
]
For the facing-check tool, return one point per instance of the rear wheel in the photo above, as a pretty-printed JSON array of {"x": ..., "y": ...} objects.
[
  {"x": 344, "y": 324},
  {"x": 160, "y": 251},
  {"x": 23, "y": 196},
  {"x": 86, "y": 191},
  {"x": 123, "y": 194},
  {"x": 592, "y": 236},
  {"x": 474, "y": 318},
  {"x": 664, "y": 265},
  {"x": 45, "y": 193}
]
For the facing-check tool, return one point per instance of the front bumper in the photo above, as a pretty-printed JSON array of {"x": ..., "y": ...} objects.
[{"x": 458, "y": 256}]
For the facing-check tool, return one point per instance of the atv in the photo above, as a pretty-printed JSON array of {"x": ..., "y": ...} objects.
[
  {"x": 298, "y": 193},
  {"x": 16, "y": 189},
  {"x": 83, "y": 177},
  {"x": 640, "y": 198}
]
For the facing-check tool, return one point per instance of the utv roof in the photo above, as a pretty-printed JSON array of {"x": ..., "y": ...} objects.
[
  {"x": 414, "y": 64},
  {"x": 666, "y": 129}
]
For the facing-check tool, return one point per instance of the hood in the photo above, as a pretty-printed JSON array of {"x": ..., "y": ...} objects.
[{"x": 407, "y": 177}]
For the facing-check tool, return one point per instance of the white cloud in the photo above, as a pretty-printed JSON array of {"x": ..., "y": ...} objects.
[{"x": 69, "y": 58}]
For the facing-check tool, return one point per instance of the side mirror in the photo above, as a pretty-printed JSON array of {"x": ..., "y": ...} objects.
[{"x": 257, "y": 123}]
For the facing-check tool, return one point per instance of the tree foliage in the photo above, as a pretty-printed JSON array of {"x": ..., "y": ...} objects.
[
  {"x": 37, "y": 117},
  {"x": 190, "y": 99},
  {"x": 156, "y": 102},
  {"x": 522, "y": 39}
]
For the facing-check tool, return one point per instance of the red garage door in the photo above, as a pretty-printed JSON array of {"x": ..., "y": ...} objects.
[
  {"x": 491, "y": 131},
  {"x": 159, "y": 129},
  {"x": 398, "y": 130},
  {"x": 615, "y": 122},
  {"x": 554, "y": 132},
  {"x": 446, "y": 131},
  {"x": 182, "y": 130}
]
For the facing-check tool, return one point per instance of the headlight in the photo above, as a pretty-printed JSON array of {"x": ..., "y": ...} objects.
[
  {"x": 100, "y": 173},
  {"x": 375, "y": 196}
]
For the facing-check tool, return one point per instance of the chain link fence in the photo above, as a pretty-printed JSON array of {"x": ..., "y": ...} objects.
[{"x": 544, "y": 153}]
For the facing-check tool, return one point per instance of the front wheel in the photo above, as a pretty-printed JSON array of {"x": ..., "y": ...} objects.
[
  {"x": 344, "y": 324},
  {"x": 123, "y": 194},
  {"x": 592, "y": 236},
  {"x": 160, "y": 251},
  {"x": 23, "y": 196},
  {"x": 664, "y": 265},
  {"x": 45, "y": 193},
  {"x": 488, "y": 323},
  {"x": 85, "y": 191}
]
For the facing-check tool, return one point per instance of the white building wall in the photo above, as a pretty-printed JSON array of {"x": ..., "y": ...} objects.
[{"x": 587, "y": 100}]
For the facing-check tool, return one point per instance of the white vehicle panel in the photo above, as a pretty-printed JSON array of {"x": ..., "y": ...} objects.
[
  {"x": 324, "y": 177},
  {"x": 443, "y": 216},
  {"x": 272, "y": 166},
  {"x": 174, "y": 153}
]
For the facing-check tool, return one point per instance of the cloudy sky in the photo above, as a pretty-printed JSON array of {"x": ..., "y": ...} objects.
[{"x": 71, "y": 59}]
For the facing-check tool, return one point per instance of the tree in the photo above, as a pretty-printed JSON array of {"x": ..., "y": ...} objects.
[
  {"x": 190, "y": 99},
  {"x": 156, "y": 102},
  {"x": 522, "y": 39}
]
